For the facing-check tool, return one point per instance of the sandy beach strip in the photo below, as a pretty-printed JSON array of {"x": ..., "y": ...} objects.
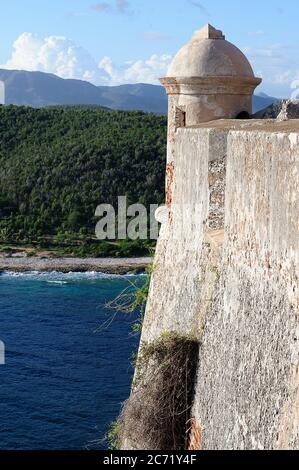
[{"x": 65, "y": 265}]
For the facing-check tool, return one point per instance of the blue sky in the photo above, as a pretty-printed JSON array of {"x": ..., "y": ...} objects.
[{"x": 127, "y": 41}]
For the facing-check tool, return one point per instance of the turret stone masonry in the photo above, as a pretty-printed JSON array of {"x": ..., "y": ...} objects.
[
  {"x": 226, "y": 265},
  {"x": 208, "y": 79}
]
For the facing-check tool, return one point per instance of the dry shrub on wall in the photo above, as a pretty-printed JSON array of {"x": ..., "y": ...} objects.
[{"x": 157, "y": 414}]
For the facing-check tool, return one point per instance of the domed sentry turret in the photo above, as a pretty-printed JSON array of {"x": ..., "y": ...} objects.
[{"x": 209, "y": 79}]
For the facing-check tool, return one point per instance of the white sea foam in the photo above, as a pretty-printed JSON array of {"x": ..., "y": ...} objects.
[
  {"x": 56, "y": 277},
  {"x": 57, "y": 282}
]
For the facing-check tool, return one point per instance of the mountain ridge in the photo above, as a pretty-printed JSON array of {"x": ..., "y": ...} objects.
[{"x": 39, "y": 89}]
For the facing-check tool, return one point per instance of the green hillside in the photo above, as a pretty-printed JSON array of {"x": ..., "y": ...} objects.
[{"x": 57, "y": 164}]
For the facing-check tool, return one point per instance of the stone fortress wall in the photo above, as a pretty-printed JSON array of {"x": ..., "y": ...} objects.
[{"x": 226, "y": 266}]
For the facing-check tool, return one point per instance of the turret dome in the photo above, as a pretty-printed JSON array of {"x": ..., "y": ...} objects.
[
  {"x": 208, "y": 79},
  {"x": 208, "y": 54}
]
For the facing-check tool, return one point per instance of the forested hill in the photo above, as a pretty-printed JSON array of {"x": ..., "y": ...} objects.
[{"x": 57, "y": 164}]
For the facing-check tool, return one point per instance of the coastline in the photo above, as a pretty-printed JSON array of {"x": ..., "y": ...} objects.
[{"x": 66, "y": 265}]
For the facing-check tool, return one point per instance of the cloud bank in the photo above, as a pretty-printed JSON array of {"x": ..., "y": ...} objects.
[
  {"x": 275, "y": 65},
  {"x": 63, "y": 57},
  {"x": 140, "y": 71},
  {"x": 53, "y": 54}
]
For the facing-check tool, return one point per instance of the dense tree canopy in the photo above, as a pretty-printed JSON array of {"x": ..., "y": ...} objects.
[{"x": 57, "y": 164}]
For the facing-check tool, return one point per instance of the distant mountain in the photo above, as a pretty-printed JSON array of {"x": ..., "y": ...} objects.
[
  {"x": 39, "y": 89},
  {"x": 262, "y": 94},
  {"x": 261, "y": 101}
]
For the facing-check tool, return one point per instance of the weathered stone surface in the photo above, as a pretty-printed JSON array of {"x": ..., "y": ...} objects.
[
  {"x": 208, "y": 32},
  {"x": 248, "y": 383},
  {"x": 236, "y": 288},
  {"x": 216, "y": 177},
  {"x": 208, "y": 54},
  {"x": 262, "y": 125},
  {"x": 226, "y": 265},
  {"x": 178, "y": 252}
]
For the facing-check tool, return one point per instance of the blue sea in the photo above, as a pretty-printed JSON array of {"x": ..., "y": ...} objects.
[{"x": 68, "y": 359}]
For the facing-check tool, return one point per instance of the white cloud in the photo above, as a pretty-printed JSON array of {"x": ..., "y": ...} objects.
[
  {"x": 63, "y": 57},
  {"x": 139, "y": 71},
  {"x": 120, "y": 6},
  {"x": 284, "y": 78},
  {"x": 274, "y": 52},
  {"x": 295, "y": 87},
  {"x": 155, "y": 36},
  {"x": 274, "y": 63},
  {"x": 53, "y": 54},
  {"x": 26, "y": 52},
  {"x": 101, "y": 7},
  {"x": 260, "y": 32},
  {"x": 110, "y": 73}
]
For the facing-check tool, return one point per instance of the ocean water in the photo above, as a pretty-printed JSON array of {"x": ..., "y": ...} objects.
[{"x": 68, "y": 359}]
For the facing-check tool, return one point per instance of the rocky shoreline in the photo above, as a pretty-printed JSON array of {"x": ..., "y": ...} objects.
[{"x": 65, "y": 265}]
